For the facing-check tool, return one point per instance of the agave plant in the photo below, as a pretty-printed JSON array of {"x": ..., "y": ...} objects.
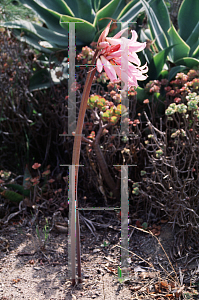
[
  {"x": 51, "y": 34},
  {"x": 91, "y": 17},
  {"x": 179, "y": 48},
  {"x": 169, "y": 51}
]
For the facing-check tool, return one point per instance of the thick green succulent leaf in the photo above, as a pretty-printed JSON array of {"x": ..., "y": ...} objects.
[
  {"x": 125, "y": 14},
  {"x": 196, "y": 53},
  {"x": 155, "y": 24},
  {"x": 120, "y": 7},
  {"x": 47, "y": 45},
  {"x": 130, "y": 11},
  {"x": 73, "y": 6},
  {"x": 31, "y": 39},
  {"x": 85, "y": 10},
  {"x": 12, "y": 196},
  {"x": 174, "y": 71},
  {"x": 189, "y": 62},
  {"x": 19, "y": 188},
  {"x": 42, "y": 80},
  {"x": 180, "y": 49},
  {"x": 85, "y": 31},
  {"x": 51, "y": 18},
  {"x": 163, "y": 74},
  {"x": 194, "y": 49},
  {"x": 188, "y": 17},
  {"x": 59, "y": 6},
  {"x": 96, "y": 5},
  {"x": 33, "y": 34},
  {"x": 107, "y": 11},
  {"x": 157, "y": 63},
  {"x": 144, "y": 36},
  {"x": 194, "y": 37},
  {"x": 141, "y": 94},
  {"x": 104, "y": 3},
  {"x": 82, "y": 9},
  {"x": 42, "y": 33},
  {"x": 26, "y": 178},
  {"x": 161, "y": 12}
]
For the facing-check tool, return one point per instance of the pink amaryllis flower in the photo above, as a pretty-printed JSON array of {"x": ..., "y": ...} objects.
[{"x": 111, "y": 52}]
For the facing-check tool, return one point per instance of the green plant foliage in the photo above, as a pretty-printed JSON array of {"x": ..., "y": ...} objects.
[
  {"x": 13, "y": 10},
  {"x": 175, "y": 70},
  {"x": 180, "y": 49},
  {"x": 158, "y": 19},
  {"x": 157, "y": 63},
  {"x": 192, "y": 106},
  {"x": 168, "y": 44},
  {"x": 159, "y": 153},
  {"x": 91, "y": 17},
  {"x": 43, "y": 78},
  {"x": 145, "y": 225},
  {"x": 46, "y": 230},
  {"x": 181, "y": 108},
  {"x": 181, "y": 46},
  {"x": 188, "y": 20},
  {"x": 27, "y": 176},
  {"x": 142, "y": 173},
  {"x": 12, "y": 196},
  {"x": 19, "y": 188},
  {"x": 171, "y": 109},
  {"x": 108, "y": 111},
  {"x": 135, "y": 190}
]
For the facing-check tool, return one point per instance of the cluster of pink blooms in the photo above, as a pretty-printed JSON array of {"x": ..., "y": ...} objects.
[
  {"x": 182, "y": 84},
  {"x": 86, "y": 55},
  {"x": 180, "y": 80},
  {"x": 193, "y": 84},
  {"x": 110, "y": 56},
  {"x": 153, "y": 86},
  {"x": 177, "y": 88}
]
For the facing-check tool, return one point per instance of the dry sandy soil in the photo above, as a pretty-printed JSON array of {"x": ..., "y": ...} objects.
[{"x": 32, "y": 272}]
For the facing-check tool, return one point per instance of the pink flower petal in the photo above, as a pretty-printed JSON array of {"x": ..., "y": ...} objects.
[
  {"x": 122, "y": 76},
  {"x": 99, "y": 65},
  {"x": 132, "y": 69},
  {"x": 118, "y": 35},
  {"x": 120, "y": 52},
  {"x": 118, "y": 71},
  {"x": 139, "y": 75},
  {"x": 134, "y": 58},
  {"x": 132, "y": 80},
  {"x": 142, "y": 77},
  {"x": 134, "y": 36},
  {"x": 109, "y": 69},
  {"x": 136, "y": 46},
  {"x": 113, "y": 41},
  {"x": 104, "y": 33},
  {"x": 114, "y": 54},
  {"x": 103, "y": 44},
  {"x": 144, "y": 68},
  {"x": 125, "y": 41},
  {"x": 114, "y": 48}
]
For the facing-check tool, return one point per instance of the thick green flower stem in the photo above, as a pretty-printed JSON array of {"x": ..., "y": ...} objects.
[{"x": 75, "y": 162}]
